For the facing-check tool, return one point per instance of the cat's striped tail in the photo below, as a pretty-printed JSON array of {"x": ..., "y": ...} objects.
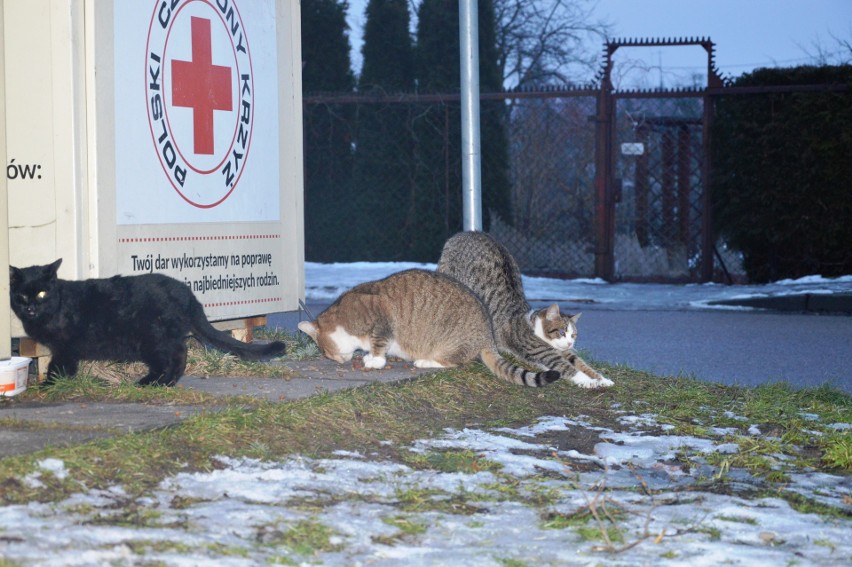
[{"x": 514, "y": 373}]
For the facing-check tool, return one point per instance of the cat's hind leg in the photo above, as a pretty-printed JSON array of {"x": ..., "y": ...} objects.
[
  {"x": 176, "y": 367},
  {"x": 153, "y": 378},
  {"x": 447, "y": 357},
  {"x": 165, "y": 366},
  {"x": 444, "y": 359},
  {"x": 423, "y": 363}
]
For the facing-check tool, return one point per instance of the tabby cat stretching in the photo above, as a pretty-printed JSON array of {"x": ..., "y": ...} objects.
[
  {"x": 416, "y": 315},
  {"x": 541, "y": 337},
  {"x": 124, "y": 318}
]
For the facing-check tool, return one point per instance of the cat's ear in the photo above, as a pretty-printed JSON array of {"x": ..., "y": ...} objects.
[
  {"x": 309, "y": 328},
  {"x": 553, "y": 313},
  {"x": 14, "y": 275},
  {"x": 52, "y": 268},
  {"x": 576, "y": 317}
]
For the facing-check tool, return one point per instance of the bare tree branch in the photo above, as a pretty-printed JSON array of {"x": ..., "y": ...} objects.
[
  {"x": 548, "y": 42},
  {"x": 838, "y": 54}
]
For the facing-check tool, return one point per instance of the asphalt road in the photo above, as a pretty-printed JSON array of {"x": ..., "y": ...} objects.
[
  {"x": 731, "y": 347},
  {"x": 743, "y": 348}
]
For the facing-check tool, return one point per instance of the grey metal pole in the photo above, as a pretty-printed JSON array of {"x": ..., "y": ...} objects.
[{"x": 471, "y": 153}]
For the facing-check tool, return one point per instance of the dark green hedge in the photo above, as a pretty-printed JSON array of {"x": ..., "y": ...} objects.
[{"x": 782, "y": 174}]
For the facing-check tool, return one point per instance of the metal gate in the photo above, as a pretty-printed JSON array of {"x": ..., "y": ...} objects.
[{"x": 652, "y": 176}]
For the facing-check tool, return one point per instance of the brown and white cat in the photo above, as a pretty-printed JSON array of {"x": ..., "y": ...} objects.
[
  {"x": 542, "y": 337},
  {"x": 417, "y": 315}
]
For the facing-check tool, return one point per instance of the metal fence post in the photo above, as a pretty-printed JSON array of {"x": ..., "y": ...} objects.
[
  {"x": 604, "y": 228},
  {"x": 471, "y": 163},
  {"x": 708, "y": 245}
]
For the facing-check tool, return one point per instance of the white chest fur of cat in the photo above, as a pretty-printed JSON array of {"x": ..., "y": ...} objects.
[{"x": 417, "y": 315}]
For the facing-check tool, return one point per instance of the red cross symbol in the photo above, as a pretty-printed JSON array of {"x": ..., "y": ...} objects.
[{"x": 202, "y": 86}]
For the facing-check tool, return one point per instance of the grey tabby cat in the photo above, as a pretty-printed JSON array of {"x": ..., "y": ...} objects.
[
  {"x": 542, "y": 337},
  {"x": 417, "y": 315}
]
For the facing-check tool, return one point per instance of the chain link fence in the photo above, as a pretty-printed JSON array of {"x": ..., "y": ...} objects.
[
  {"x": 552, "y": 172},
  {"x": 383, "y": 180}
]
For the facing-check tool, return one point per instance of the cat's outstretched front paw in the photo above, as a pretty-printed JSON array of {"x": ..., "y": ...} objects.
[
  {"x": 376, "y": 362},
  {"x": 583, "y": 380}
]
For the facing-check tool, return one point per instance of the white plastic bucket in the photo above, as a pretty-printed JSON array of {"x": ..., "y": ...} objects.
[{"x": 13, "y": 375}]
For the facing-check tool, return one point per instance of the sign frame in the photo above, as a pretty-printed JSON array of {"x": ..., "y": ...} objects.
[{"x": 263, "y": 267}]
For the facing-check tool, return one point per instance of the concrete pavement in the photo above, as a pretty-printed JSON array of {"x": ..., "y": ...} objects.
[{"x": 32, "y": 426}]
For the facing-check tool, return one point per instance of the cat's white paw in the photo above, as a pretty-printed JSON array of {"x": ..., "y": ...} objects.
[
  {"x": 604, "y": 383},
  {"x": 583, "y": 380},
  {"x": 376, "y": 362},
  {"x": 428, "y": 364}
]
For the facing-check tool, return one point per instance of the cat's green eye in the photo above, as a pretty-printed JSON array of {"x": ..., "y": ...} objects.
[{"x": 41, "y": 295}]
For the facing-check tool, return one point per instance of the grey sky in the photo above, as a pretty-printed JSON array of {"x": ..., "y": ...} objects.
[{"x": 747, "y": 33}]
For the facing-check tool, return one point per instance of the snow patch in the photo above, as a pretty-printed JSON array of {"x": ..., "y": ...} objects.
[{"x": 235, "y": 515}]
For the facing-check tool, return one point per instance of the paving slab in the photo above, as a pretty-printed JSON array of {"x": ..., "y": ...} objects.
[
  {"x": 34, "y": 425},
  {"x": 309, "y": 377},
  {"x": 41, "y": 425},
  {"x": 124, "y": 417}
]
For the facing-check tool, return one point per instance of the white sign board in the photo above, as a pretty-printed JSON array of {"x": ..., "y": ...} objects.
[
  {"x": 192, "y": 139},
  {"x": 198, "y": 176},
  {"x": 632, "y": 149},
  {"x": 167, "y": 136}
]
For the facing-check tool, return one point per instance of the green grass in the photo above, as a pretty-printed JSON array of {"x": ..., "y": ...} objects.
[
  {"x": 419, "y": 500},
  {"x": 826, "y": 543},
  {"x": 557, "y": 521},
  {"x": 452, "y": 461},
  {"x": 406, "y": 525},
  {"x": 837, "y": 450},
  {"x": 305, "y": 537},
  {"x": 692, "y": 407},
  {"x": 507, "y": 562},
  {"x": 116, "y": 382},
  {"x": 299, "y": 345},
  {"x": 738, "y": 520},
  {"x": 362, "y": 419},
  {"x": 594, "y": 533},
  {"x": 88, "y": 387}
]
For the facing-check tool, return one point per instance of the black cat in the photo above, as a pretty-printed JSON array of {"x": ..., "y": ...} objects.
[{"x": 124, "y": 318}]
